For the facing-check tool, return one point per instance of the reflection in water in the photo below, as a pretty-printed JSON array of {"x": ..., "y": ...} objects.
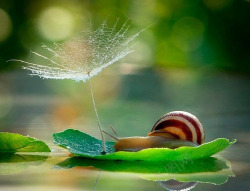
[
  {"x": 97, "y": 179},
  {"x": 172, "y": 175},
  {"x": 174, "y": 185},
  {"x": 16, "y": 163}
]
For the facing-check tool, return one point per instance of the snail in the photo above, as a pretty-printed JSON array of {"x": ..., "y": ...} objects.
[{"x": 172, "y": 130}]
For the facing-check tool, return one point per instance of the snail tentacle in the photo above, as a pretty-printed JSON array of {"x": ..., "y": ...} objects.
[
  {"x": 113, "y": 130},
  {"x": 115, "y": 138}
]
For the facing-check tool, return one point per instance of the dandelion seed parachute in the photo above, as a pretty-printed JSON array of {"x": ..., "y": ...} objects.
[{"x": 85, "y": 56}]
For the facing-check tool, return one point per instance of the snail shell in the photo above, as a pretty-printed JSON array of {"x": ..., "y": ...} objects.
[{"x": 180, "y": 124}]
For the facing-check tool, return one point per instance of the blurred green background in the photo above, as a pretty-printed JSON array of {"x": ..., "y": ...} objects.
[
  {"x": 193, "y": 56},
  {"x": 201, "y": 33}
]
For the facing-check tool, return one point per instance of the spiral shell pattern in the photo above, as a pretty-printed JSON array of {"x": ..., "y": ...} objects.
[{"x": 182, "y": 125}]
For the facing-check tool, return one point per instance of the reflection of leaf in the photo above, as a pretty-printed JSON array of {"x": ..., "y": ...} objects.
[
  {"x": 85, "y": 145},
  {"x": 202, "y": 165},
  {"x": 15, "y": 163},
  {"x": 211, "y": 170},
  {"x": 12, "y": 142},
  {"x": 217, "y": 177}
]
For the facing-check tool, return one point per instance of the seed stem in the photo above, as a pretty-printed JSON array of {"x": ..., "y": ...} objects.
[
  {"x": 97, "y": 179},
  {"x": 97, "y": 117}
]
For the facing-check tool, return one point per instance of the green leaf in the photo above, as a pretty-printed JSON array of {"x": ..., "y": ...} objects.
[
  {"x": 12, "y": 142},
  {"x": 210, "y": 170},
  {"x": 80, "y": 143},
  {"x": 85, "y": 145}
]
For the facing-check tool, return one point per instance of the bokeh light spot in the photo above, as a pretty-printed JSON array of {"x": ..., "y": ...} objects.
[
  {"x": 142, "y": 55},
  {"x": 5, "y": 25},
  {"x": 56, "y": 23},
  {"x": 187, "y": 33},
  {"x": 217, "y": 5}
]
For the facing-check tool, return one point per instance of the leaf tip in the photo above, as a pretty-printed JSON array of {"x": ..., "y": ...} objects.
[{"x": 233, "y": 141}]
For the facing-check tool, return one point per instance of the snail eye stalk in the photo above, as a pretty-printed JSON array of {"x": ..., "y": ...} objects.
[
  {"x": 115, "y": 138},
  {"x": 113, "y": 130}
]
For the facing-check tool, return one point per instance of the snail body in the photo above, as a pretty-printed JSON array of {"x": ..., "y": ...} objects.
[
  {"x": 139, "y": 143},
  {"x": 172, "y": 130}
]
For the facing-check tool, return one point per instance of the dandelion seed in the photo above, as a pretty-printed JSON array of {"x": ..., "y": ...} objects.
[{"x": 85, "y": 56}]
